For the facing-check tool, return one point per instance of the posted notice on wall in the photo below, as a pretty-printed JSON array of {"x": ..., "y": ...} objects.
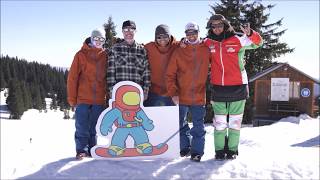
[{"x": 279, "y": 89}]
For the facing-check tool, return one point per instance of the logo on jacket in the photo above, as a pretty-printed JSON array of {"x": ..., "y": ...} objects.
[
  {"x": 230, "y": 49},
  {"x": 212, "y": 49}
]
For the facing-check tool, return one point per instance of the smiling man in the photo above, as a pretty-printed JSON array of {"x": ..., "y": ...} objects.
[
  {"x": 186, "y": 84},
  {"x": 159, "y": 53},
  {"x": 128, "y": 61}
]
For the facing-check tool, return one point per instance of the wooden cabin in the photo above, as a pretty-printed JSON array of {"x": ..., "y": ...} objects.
[{"x": 282, "y": 91}]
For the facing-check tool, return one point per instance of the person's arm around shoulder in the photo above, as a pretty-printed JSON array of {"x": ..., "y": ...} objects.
[
  {"x": 146, "y": 74},
  {"x": 171, "y": 76},
  {"x": 111, "y": 71}
]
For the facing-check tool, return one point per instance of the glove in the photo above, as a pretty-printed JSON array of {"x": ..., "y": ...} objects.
[
  {"x": 148, "y": 125},
  {"x": 105, "y": 133}
]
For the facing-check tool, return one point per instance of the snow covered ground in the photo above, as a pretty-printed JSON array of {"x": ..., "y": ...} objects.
[{"x": 41, "y": 146}]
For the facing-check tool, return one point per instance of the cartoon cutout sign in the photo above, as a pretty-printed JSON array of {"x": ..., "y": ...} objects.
[{"x": 126, "y": 118}]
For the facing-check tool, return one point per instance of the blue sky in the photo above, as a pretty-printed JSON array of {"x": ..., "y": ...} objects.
[{"x": 53, "y": 31}]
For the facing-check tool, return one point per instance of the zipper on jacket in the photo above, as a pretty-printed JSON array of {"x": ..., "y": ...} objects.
[
  {"x": 222, "y": 77},
  {"x": 95, "y": 83},
  {"x": 193, "y": 77}
]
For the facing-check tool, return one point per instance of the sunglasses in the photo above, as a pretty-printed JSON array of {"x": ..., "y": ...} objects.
[
  {"x": 192, "y": 33},
  {"x": 128, "y": 30},
  {"x": 163, "y": 37},
  {"x": 101, "y": 39},
  {"x": 214, "y": 26}
]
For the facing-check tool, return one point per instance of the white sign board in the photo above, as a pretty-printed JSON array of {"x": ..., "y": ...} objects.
[
  {"x": 127, "y": 129},
  {"x": 279, "y": 89}
]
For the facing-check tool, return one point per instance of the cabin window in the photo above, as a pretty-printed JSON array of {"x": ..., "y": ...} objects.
[{"x": 294, "y": 89}]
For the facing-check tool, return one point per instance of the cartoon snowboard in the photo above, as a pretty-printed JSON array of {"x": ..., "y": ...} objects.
[{"x": 131, "y": 152}]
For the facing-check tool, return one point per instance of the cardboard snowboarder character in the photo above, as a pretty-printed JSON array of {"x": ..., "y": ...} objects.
[{"x": 130, "y": 120}]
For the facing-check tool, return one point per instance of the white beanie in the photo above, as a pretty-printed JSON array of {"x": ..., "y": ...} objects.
[
  {"x": 97, "y": 33},
  {"x": 192, "y": 26}
]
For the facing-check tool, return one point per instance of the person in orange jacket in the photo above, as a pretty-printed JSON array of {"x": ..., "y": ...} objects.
[
  {"x": 186, "y": 84},
  {"x": 86, "y": 88},
  {"x": 159, "y": 53}
]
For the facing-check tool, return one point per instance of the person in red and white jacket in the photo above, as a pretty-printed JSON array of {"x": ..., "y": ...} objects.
[{"x": 228, "y": 81}]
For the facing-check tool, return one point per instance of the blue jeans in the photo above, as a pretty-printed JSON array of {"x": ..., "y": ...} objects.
[
  {"x": 86, "y": 120},
  {"x": 157, "y": 100},
  {"x": 196, "y": 142}
]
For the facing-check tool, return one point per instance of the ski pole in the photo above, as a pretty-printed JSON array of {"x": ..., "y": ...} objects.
[{"x": 165, "y": 142}]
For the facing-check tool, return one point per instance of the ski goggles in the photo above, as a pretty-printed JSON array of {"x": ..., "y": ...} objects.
[
  {"x": 101, "y": 39},
  {"x": 128, "y": 30},
  {"x": 191, "y": 33},
  {"x": 163, "y": 37},
  {"x": 214, "y": 26}
]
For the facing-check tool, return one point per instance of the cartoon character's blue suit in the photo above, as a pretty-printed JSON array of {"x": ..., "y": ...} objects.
[{"x": 129, "y": 119}]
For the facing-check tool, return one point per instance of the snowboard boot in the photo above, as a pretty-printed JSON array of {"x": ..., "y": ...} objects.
[
  {"x": 219, "y": 139},
  {"x": 232, "y": 154},
  {"x": 226, "y": 148},
  {"x": 185, "y": 152},
  {"x": 220, "y": 155},
  {"x": 195, "y": 157},
  {"x": 145, "y": 148},
  {"x": 233, "y": 143},
  {"x": 115, "y": 150},
  {"x": 81, "y": 155}
]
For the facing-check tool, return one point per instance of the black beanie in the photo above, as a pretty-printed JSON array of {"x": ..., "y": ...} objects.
[
  {"x": 130, "y": 23},
  {"x": 217, "y": 17},
  {"x": 162, "y": 29}
]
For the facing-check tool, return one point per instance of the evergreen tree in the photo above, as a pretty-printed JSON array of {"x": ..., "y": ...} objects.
[
  {"x": 38, "y": 81},
  {"x": 36, "y": 96},
  {"x": 15, "y": 99},
  {"x": 27, "y": 100},
  {"x": 110, "y": 30},
  {"x": 230, "y": 9},
  {"x": 257, "y": 14},
  {"x": 6, "y": 68},
  {"x": 54, "y": 103},
  {"x": 3, "y": 82},
  {"x": 43, "y": 95}
]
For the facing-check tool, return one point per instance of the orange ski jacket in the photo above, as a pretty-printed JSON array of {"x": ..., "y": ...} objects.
[{"x": 86, "y": 82}]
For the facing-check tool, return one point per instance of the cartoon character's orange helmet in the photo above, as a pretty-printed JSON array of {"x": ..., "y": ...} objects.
[
  {"x": 127, "y": 99},
  {"x": 127, "y": 95}
]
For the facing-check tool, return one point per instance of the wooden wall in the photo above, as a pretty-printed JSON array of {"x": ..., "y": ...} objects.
[{"x": 262, "y": 92}]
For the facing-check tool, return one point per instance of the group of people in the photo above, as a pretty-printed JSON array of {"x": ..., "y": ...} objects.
[{"x": 170, "y": 73}]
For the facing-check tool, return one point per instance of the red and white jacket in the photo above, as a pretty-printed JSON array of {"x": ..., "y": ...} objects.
[{"x": 227, "y": 66}]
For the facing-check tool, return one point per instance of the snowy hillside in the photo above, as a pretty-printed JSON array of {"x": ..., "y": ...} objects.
[{"x": 41, "y": 146}]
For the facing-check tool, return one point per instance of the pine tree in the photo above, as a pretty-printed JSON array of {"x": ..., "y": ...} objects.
[
  {"x": 253, "y": 12},
  {"x": 6, "y": 68},
  {"x": 54, "y": 103},
  {"x": 27, "y": 100},
  {"x": 230, "y": 9},
  {"x": 15, "y": 99},
  {"x": 110, "y": 30},
  {"x": 36, "y": 96},
  {"x": 61, "y": 90},
  {"x": 3, "y": 82},
  {"x": 38, "y": 81}
]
